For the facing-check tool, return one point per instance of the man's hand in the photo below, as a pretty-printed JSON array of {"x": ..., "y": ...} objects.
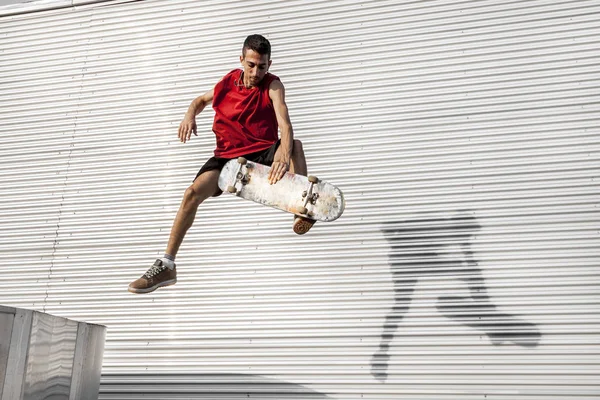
[
  {"x": 278, "y": 170},
  {"x": 188, "y": 125},
  {"x": 186, "y": 128}
]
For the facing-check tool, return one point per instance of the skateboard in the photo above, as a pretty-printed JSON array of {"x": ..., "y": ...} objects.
[{"x": 296, "y": 194}]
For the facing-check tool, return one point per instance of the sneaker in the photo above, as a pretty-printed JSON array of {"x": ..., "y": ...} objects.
[
  {"x": 302, "y": 224},
  {"x": 157, "y": 276}
]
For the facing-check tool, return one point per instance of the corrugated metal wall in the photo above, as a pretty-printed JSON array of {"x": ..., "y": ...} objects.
[{"x": 463, "y": 133}]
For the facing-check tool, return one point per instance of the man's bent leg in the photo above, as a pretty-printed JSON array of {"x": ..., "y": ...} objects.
[
  {"x": 203, "y": 187},
  {"x": 298, "y": 161},
  {"x": 298, "y": 166},
  {"x": 163, "y": 272}
]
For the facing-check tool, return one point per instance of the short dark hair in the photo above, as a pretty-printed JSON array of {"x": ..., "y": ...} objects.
[{"x": 257, "y": 43}]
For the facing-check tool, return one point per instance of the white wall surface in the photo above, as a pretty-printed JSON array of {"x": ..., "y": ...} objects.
[{"x": 464, "y": 135}]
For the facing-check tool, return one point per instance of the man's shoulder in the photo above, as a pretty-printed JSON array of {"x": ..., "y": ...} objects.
[
  {"x": 227, "y": 81},
  {"x": 272, "y": 77},
  {"x": 233, "y": 74},
  {"x": 272, "y": 81},
  {"x": 275, "y": 84}
]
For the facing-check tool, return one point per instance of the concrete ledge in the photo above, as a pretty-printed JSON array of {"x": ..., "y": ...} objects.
[
  {"x": 7, "y": 310},
  {"x": 43, "y": 356}
]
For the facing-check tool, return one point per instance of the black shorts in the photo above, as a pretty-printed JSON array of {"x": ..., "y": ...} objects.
[{"x": 265, "y": 157}]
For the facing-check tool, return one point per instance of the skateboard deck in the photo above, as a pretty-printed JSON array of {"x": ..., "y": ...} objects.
[{"x": 295, "y": 194}]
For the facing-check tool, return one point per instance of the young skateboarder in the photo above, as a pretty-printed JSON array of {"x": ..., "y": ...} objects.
[{"x": 249, "y": 106}]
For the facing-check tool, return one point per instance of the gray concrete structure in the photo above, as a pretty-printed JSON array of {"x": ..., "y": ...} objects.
[{"x": 43, "y": 356}]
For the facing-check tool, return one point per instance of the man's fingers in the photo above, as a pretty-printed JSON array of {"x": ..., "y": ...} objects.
[
  {"x": 277, "y": 172},
  {"x": 272, "y": 173},
  {"x": 182, "y": 133},
  {"x": 185, "y": 134},
  {"x": 185, "y": 131}
]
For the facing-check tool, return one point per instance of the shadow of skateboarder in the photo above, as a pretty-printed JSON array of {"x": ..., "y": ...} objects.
[{"x": 440, "y": 246}]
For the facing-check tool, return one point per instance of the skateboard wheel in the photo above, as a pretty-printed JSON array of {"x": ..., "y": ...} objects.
[
  {"x": 313, "y": 179},
  {"x": 302, "y": 210},
  {"x": 231, "y": 189},
  {"x": 242, "y": 160}
]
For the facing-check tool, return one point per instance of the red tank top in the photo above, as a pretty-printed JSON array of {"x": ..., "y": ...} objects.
[{"x": 245, "y": 120}]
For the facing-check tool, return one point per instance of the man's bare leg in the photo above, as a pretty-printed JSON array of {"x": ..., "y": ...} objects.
[
  {"x": 298, "y": 161},
  {"x": 298, "y": 166},
  {"x": 203, "y": 187},
  {"x": 163, "y": 272}
]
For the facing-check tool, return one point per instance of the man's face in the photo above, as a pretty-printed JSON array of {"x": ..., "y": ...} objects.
[{"x": 255, "y": 67}]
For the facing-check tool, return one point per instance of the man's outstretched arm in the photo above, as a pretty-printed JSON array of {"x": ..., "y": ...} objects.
[
  {"x": 188, "y": 125},
  {"x": 281, "y": 163}
]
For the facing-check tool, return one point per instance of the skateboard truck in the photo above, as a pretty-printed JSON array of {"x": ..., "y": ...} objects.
[
  {"x": 241, "y": 176},
  {"x": 308, "y": 196}
]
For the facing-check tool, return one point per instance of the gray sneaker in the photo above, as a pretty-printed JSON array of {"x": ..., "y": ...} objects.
[{"x": 157, "y": 276}]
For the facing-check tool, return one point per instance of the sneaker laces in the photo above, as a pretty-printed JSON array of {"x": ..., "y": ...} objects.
[{"x": 156, "y": 269}]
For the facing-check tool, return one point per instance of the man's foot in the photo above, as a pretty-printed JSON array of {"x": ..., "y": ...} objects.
[
  {"x": 302, "y": 224},
  {"x": 157, "y": 276}
]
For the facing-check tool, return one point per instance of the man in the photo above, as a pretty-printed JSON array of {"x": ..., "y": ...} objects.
[{"x": 249, "y": 106}]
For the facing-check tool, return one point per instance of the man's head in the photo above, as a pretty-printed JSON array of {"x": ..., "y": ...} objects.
[
  {"x": 255, "y": 59},
  {"x": 257, "y": 43}
]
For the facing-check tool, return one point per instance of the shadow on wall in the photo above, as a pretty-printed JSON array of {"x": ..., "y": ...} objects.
[
  {"x": 440, "y": 246},
  {"x": 170, "y": 386}
]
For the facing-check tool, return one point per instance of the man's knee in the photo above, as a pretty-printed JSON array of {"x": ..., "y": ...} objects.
[
  {"x": 203, "y": 187},
  {"x": 193, "y": 196},
  {"x": 297, "y": 148}
]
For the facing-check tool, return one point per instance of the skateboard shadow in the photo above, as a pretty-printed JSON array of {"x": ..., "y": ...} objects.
[
  {"x": 433, "y": 245},
  {"x": 171, "y": 386}
]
